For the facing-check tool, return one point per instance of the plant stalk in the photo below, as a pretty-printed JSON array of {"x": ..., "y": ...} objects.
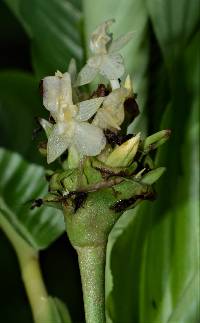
[
  {"x": 92, "y": 269},
  {"x": 31, "y": 273}
]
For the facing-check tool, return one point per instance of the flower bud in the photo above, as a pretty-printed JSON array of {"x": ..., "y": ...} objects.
[
  {"x": 156, "y": 140},
  {"x": 123, "y": 155},
  {"x": 152, "y": 176}
]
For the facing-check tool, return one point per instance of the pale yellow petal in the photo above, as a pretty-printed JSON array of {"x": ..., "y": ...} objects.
[{"x": 88, "y": 108}]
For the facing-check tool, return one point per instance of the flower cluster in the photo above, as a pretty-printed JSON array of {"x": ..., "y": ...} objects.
[
  {"x": 105, "y": 171},
  {"x": 80, "y": 125}
]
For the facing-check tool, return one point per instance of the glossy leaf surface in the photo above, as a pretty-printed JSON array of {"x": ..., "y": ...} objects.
[
  {"x": 158, "y": 244},
  {"x": 20, "y": 183},
  {"x": 54, "y": 29}
]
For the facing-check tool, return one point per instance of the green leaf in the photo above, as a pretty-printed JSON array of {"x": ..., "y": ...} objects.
[
  {"x": 157, "y": 244},
  {"x": 174, "y": 23},
  {"x": 55, "y": 31},
  {"x": 20, "y": 183},
  {"x": 19, "y": 104},
  {"x": 130, "y": 15},
  {"x": 59, "y": 311},
  {"x": 190, "y": 300}
]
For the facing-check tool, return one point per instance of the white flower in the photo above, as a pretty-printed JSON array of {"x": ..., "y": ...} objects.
[
  {"x": 105, "y": 60},
  {"x": 71, "y": 127},
  {"x": 111, "y": 114}
]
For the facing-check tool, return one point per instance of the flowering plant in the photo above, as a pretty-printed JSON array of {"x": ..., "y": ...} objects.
[{"x": 105, "y": 171}]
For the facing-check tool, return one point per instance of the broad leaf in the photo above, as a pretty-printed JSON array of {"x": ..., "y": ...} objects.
[
  {"x": 158, "y": 244},
  {"x": 54, "y": 29},
  {"x": 59, "y": 311},
  {"x": 130, "y": 15},
  {"x": 20, "y": 183},
  {"x": 174, "y": 23},
  {"x": 19, "y": 105}
]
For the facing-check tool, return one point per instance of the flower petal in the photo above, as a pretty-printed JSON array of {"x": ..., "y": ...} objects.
[
  {"x": 112, "y": 66},
  {"x": 72, "y": 70},
  {"x": 51, "y": 91},
  {"x": 65, "y": 90},
  {"x": 111, "y": 115},
  {"x": 88, "y": 108},
  {"x": 46, "y": 125},
  {"x": 88, "y": 139},
  {"x": 58, "y": 141},
  {"x": 86, "y": 75},
  {"x": 120, "y": 42}
]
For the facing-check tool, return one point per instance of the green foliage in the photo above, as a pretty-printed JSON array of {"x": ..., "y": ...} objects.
[
  {"x": 59, "y": 311},
  {"x": 152, "y": 254},
  {"x": 54, "y": 28},
  {"x": 21, "y": 182},
  {"x": 19, "y": 105},
  {"x": 159, "y": 243}
]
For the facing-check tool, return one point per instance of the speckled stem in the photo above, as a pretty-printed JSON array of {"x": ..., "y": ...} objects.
[{"x": 92, "y": 269}]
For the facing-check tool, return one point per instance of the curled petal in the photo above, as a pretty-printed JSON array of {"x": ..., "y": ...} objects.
[
  {"x": 100, "y": 37},
  {"x": 88, "y": 108},
  {"x": 86, "y": 75},
  {"x": 58, "y": 141},
  {"x": 120, "y": 42},
  {"x": 88, "y": 139},
  {"x": 112, "y": 66}
]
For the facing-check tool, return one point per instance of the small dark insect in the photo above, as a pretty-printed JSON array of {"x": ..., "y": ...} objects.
[{"x": 36, "y": 203}]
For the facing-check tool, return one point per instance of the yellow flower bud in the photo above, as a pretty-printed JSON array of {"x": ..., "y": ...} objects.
[{"x": 124, "y": 154}]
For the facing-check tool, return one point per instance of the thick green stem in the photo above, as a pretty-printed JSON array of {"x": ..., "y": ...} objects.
[
  {"x": 92, "y": 269},
  {"x": 31, "y": 274}
]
